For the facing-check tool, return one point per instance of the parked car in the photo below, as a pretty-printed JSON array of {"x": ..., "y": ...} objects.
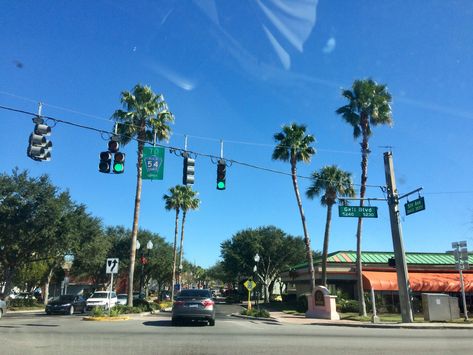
[
  {"x": 122, "y": 298},
  {"x": 3, "y": 308},
  {"x": 104, "y": 299},
  {"x": 193, "y": 305},
  {"x": 67, "y": 304}
]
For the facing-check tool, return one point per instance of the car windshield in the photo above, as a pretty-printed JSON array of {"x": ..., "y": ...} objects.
[
  {"x": 100, "y": 295},
  {"x": 122, "y": 296},
  {"x": 66, "y": 298}
]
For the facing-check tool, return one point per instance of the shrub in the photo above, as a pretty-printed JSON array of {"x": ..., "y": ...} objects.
[
  {"x": 302, "y": 305},
  {"x": 24, "y": 302},
  {"x": 254, "y": 312},
  {"x": 350, "y": 306},
  {"x": 115, "y": 312},
  {"x": 97, "y": 312}
]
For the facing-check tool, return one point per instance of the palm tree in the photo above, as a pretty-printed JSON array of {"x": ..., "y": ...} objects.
[
  {"x": 294, "y": 146},
  {"x": 368, "y": 104},
  {"x": 334, "y": 183},
  {"x": 174, "y": 201},
  {"x": 190, "y": 202},
  {"x": 145, "y": 114}
]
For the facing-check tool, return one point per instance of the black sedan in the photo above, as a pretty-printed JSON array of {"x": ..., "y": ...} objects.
[{"x": 66, "y": 304}]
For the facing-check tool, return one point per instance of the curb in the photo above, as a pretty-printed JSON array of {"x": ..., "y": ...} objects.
[
  {"x": 393, "y": 326},
  {"x": 270, "y": 319},
  {"x": 105, "y": 319},
  {"x": 39, "y": 310}
]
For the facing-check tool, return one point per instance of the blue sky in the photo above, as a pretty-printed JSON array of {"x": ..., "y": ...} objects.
[{"x": 238, "y": 71}]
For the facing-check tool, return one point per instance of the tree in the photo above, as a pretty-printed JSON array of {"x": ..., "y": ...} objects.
[
  {"x": 294, "y": 146},
  {"x": 174, "y": 201},
  {"x": 145, "y": 117},
  {"x": 368, "y": 104},
  {"x": 189, "y": 202},
  {"x": 35, "y": 223},
  {"x": 277, "y": 250},
  {"x": 334, "y": 183}
]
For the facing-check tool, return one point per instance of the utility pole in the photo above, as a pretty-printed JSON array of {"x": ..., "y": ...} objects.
[{"x": 396, "y": 231}]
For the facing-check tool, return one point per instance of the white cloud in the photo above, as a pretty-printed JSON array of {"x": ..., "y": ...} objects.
[{"x": 330, "y": 45}]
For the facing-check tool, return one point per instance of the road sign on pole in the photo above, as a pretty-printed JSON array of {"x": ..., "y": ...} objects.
[
  {"x": 153, "y": 163},
  {"x": 250, "y": 285},
  {"x": 112, "y": 266},
  {"x": 414, "y": 206},
  {"x": 358, "y": 211}
]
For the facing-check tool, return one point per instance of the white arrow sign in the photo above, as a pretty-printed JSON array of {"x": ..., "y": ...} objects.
[{"x": 112, "y": 265}]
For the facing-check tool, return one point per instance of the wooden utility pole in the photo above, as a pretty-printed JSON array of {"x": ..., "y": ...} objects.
[{"x": 396, "y": 231}]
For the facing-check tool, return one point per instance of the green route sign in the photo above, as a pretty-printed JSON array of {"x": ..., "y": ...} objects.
[
  {"x": 415, "y": 206},
  {"x": 153, "y": 163},
  {"x": 357, "y": 211}
]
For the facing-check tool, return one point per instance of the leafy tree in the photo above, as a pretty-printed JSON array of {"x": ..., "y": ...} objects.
[
  {"x": 368, "y": 105},
  {"x": 294, "y": 145},
  {"x": 333, "y": 183},
  {"x": 36, "y": 223},
  {"x": 277, "y": 250},
  {"x": 189, "y": 202},
  {"x": 174, "y": 201},
  {"x": 145, "y": 116}
]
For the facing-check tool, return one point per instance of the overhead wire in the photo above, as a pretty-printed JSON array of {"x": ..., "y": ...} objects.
[{"x": 171, "y": 148}]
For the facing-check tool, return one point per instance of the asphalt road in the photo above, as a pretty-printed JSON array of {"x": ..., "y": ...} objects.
[{"x": 28, "y": 333}]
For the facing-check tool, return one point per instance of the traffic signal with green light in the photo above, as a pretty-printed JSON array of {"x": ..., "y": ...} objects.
[
  {"x": 221, "y": 171},
  {"x": 119, "y": 163},
  {"x": 188, "y": 171},
  {"x": 105, "y": 162}
]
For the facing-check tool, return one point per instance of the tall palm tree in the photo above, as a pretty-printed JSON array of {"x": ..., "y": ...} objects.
[
  {"x": 174, "y": 201},
  {"x": 368, "y": 105},
  {"x": 294, "y": 146},
  {"x": 144, "y": 115},
  {"x": 190, "y": 202},
  {"x": 334, "y": 183}
]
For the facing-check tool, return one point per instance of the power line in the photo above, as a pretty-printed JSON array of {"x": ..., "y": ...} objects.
[{"x": 171, "y": 148}]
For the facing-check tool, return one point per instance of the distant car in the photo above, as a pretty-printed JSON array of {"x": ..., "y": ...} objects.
[
  {"x": 67, "y": 304},
  {"x": 104, "y": 299},
  {"x": 3, "y": 308},
  {"x": 193, "y": 305},
  {"x": 122, "y": 298}
]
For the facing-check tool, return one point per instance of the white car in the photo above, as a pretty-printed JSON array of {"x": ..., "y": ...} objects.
[
  {"x": 104, "y": 299},
  {"x": 122, "y": 299}
]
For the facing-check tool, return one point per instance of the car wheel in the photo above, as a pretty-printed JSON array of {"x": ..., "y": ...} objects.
[
  {"x": 174, "y": 322},
  {"x": 212, "y": 322},
  {"x": 71, "y": 310},
  {"x": 48, "y": 313},
  {"x": 83, "y": 310}
]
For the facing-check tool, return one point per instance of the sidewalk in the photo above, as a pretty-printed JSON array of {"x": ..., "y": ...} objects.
[{"x": 302, "y": 320}]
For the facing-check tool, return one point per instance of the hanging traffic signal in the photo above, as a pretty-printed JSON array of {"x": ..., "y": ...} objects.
[
  {"x": 105, "y": 162},
  {"x": 113, "y": 145},
  {"x": 39, "y": 148},
  {"x": 188, "y": 171},
  {"x": 119, "y": 163},
  {"x": 221, "y": 171}
]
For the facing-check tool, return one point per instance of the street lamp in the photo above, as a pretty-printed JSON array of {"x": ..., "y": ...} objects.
[{"x": 255, "y": 269}]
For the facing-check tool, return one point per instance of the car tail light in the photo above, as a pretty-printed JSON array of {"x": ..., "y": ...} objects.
[{"x": 208, "y": 303}]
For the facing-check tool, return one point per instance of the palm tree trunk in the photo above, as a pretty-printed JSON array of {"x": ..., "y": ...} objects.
[
  {"x": 304, "y": 226},
  {"x": 326, "y": 238},
  {"x": 184, "y": 212},
  {"x": 174, "y": 254},
  {"x": 364, "y": 177},
  {"x": 136, "y": 215}
]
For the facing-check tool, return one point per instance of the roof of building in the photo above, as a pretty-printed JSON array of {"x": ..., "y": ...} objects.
[{"x": 379, "y": 257}]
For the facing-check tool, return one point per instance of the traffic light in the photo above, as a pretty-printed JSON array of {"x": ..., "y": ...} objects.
[
  {"x": 221, "y": 171},
  {"x": 39, "y": 148},
  {"x": 105, "y": 162},
  {"x": 392, "y": 262},
  {"x": 188, "y": 171},
  {"x": 119, "y": 163},
  {"x": 105, "y": 165}
]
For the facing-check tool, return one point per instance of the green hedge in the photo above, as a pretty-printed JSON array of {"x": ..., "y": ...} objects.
[
  {"x": 27, "y": 302},
  {"x": 254, "y": 312}
]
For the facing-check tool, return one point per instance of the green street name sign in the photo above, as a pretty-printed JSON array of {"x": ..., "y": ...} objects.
[
  {"x": 357, "y": 211},
  {"x": 415, "y": 206},
  {"x": 153, "y": 163}
]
